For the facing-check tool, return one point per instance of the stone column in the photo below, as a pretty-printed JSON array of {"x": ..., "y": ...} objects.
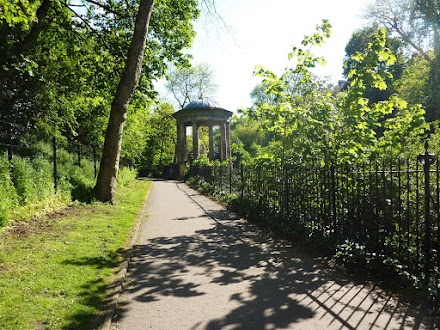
[
  {"x": 223, "y": 141},
  {"x": 181, "y": 149},
  {"x": 177, "y": 146},
  {"x": 228, "y": 142},
  {"x": 184, "y": 145},
  {"x": 211, "y": 141},
  {"x": 195, "y": 140},
  {"x": 181, "y": 142}
]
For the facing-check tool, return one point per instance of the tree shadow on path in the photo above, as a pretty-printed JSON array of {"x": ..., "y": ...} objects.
[{"x": 281, "y": 287}]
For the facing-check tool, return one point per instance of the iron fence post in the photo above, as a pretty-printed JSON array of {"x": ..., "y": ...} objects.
[
  {"x": 230, "y": 179},
  {"x": 79, "y": 154},
  {"x": 427, "y": 160},
  {"x": 221, "y": 176},
  {"x": 10, "y": 144},
  {"x": 333, "y": 184},
  {"x": 286, "y": 191},
  {"x": 94, "y": 162},
  {"x": 242, "y": 179},
  {"x": 55, "y": 174}
]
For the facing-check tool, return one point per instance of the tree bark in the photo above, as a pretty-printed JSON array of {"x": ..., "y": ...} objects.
[
  {"x": 31, "y": 39},
  {"x": 105, "y": 187}
]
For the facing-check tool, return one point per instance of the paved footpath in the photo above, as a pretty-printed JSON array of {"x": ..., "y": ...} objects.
[{"x": 197, "y": 266}]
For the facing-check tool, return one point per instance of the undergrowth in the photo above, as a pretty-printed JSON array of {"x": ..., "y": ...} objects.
[{"x": 27, "y": 187}]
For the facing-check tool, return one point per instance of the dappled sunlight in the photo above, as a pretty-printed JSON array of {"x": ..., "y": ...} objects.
[{"x": 227, "y": 278}]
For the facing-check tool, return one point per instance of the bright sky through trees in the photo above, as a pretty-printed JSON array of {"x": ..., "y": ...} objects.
[{"x": 262, "y": 32}]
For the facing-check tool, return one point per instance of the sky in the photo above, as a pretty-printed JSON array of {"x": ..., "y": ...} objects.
[{"x": 261, "y": 32}]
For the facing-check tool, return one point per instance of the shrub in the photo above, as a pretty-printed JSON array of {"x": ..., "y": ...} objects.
[
  {"x": 43, "y": 177},
  {"x": 77, "y": 181},
  {"x": 126, "y": 175},
  {"x": 8, "y": 194},
  {"x": 27, "y": 184},
  {"x": 81, "y": 184},
  {"x": 22, "y": 174}
]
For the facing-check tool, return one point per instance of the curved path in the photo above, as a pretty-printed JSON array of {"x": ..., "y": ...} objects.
[{"x": 197, "y": 266}]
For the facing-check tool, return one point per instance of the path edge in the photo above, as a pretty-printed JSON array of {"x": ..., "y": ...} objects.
[{"x": 122, "y": 274}]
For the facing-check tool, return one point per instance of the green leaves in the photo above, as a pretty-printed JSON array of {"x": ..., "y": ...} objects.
[
  {"x": 305, "y": 119},
  {"x": 18, "y": 12},
  {"x": 294, "y": 107},
  {"x": 323, "y": 32},
  {"x": 149, "y": 137},
  {"x": 64, "y": 83}
]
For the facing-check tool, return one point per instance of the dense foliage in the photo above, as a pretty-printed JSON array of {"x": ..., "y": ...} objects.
[
  {"x": 304, "y": 117},
  {"x": 60, "y": 64},
  {"x": 415, "y": 24}
]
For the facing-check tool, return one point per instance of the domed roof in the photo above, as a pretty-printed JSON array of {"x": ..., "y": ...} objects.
[
  {"x": 202, "y": 111},
  {"x": 200, "y": 104}
]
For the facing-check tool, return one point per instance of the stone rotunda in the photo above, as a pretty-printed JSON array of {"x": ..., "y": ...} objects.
[{"x": 197, "y": 114}]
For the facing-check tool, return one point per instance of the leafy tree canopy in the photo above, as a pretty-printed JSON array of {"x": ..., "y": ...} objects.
[
  {"x": 358, "y": 43},
  {"x": 60, "y": 67},
  {"x": 305, "y": 119}
]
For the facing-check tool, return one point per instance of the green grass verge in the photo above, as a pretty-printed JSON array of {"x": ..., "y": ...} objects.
[{"x": 57, "y": 272}]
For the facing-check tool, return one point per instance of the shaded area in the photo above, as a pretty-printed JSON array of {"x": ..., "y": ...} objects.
[{"x": 281, "y": 286}]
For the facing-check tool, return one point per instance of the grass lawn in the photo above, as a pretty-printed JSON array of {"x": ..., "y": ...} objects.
[{"x": 57, "y": 272}]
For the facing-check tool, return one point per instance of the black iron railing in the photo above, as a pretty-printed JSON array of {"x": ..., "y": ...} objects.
[{"x": 388, "y": 208}]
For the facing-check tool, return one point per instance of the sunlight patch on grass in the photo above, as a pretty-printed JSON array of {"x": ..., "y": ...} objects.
[{"x": 55, "y": 272}]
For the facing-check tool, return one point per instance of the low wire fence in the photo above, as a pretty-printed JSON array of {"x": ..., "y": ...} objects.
[{"x": 386, "y": 211}]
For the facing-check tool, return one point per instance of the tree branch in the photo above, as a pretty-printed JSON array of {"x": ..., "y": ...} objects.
[
  {"x": 408, "y": 40},
  {"x": 108, "y": 8},
  {"x": 86, "y": 22},
  {"x": 210, "y": 9}
]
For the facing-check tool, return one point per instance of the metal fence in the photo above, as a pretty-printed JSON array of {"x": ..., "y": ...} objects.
[
  {"x": 389, "y": 208},
  {"x": 19, "y": 140}
]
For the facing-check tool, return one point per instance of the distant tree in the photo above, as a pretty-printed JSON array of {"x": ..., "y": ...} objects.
[
  {"x": 191, "y": 83},
  {"x": 259, "y": 95},
  {"x": 414, "y": 22},
  {"x": 413, "y": 84},
  {"x": 160, "y": 139},
  {"x": 429, "y": 12},
  {"x": 136, "y": 130},
  {"x": 247, "y": 132},
  {"x": 417, "y": 24}
]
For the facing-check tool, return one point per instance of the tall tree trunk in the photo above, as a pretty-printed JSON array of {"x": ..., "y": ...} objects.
[
  {"x": 105, "y": 187},
  {"x": 436, "y": 28},
  {"x": 31, "y": 39}
]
